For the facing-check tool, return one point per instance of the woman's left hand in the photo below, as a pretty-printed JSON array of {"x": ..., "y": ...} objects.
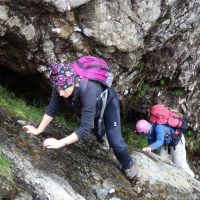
[{"x": 52, "y": 143}]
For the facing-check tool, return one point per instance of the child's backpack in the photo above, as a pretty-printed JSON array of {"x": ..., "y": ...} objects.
[
  {"x": 90, "y": 67},
  {"x": 160, "y": 114}
]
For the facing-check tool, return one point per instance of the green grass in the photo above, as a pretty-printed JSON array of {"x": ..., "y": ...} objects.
[
  {"x": 5, "y": 168},
  {"x": 132, "y": 138},
  {"x": 19, "y": 108},
  {"x": 69, "y": 122}
]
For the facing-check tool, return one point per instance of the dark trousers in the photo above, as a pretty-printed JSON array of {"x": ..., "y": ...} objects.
[{"x": 112, "y": 128}]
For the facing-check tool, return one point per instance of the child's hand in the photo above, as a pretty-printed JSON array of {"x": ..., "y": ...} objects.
[{"x": 148, "y": 149}]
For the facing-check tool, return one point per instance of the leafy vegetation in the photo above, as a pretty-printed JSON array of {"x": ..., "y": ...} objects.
[
  {"x": 143, "y": 90},
  {"x": 193, "y": 141}
]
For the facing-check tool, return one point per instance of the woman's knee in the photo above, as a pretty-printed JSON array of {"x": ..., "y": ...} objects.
[{"x": 118, "y": 146}]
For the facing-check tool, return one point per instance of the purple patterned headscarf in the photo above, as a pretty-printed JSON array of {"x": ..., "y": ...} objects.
[{"x": 62, "y": 76}]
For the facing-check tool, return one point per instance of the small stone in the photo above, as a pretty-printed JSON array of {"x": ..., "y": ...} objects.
[
  {"x": 56, "y": 30},
  {"x": 111, "y": 191},
  {"x": 21, "y": 122}
]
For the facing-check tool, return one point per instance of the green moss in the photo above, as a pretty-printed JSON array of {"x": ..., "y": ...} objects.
[{"x": 162, "y": 82}]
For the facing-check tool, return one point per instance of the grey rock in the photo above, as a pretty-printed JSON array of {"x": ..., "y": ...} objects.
[{"x": 77, "y": 172}]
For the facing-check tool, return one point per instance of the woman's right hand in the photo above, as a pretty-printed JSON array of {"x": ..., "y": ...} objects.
[{"x": 31, "y": 129}]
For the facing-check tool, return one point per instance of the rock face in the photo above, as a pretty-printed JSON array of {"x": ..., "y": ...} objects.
[
  {"x": 82, "y": 171},
  {"x": 152, "y": 46}
]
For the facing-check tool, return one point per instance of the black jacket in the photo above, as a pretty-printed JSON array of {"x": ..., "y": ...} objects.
[{"x": 86, "y": 102}]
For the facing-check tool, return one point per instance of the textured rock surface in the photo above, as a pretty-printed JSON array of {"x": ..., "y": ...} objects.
[{"x": 81, "y": 171}]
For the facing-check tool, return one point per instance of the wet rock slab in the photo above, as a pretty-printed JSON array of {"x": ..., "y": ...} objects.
[{"x": 82, "y": 171}]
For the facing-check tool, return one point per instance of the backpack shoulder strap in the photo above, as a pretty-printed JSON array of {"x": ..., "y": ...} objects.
[
  {"x": 84, "y": 83},
  {"x": 152, "y": 130},
  {"x": 104, "y": 96}
]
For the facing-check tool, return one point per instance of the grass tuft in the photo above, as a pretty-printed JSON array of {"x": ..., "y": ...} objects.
[
  {"x": 19, "y": 108},
  {"x": 133, "y": 139},
  {"x": 5, "y": 168}
]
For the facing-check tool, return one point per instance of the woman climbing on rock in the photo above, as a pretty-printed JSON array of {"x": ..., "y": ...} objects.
[{"x": 85, "y": 96}]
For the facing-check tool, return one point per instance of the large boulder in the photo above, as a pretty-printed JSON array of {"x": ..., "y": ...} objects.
[{"x": 82, "y": 171}]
